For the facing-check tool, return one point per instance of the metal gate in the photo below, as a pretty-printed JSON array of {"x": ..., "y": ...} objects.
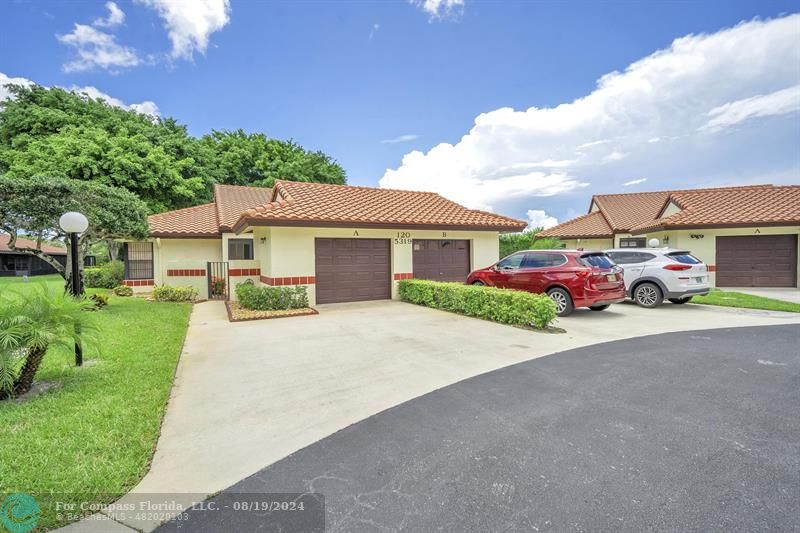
[{"x": 219, "y": 285}]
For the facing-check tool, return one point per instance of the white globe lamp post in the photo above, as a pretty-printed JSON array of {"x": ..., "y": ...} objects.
[{"x": 73, "y": 224}]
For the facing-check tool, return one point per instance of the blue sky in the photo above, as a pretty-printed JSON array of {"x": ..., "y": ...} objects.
[{"x": 349, "y": 77}]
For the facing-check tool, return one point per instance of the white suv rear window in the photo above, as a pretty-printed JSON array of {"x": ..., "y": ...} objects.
[{"x": 684, "y": 257}]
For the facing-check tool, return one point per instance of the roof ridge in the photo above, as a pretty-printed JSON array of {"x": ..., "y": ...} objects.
[
  {"x": 702, "y": 189},
  {"x": 357, "y": 187}
]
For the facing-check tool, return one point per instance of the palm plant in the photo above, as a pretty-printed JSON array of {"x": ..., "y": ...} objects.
[{"x": 30, "y": 324}]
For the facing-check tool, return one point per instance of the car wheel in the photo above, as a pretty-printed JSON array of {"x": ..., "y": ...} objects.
[
  {"x": 648, "y": 295},
  {"x": 679, "y": 301},
  {"x": 479, "y": 283},
  {"x": 563, "y": 301},
  {"x": 599, "y": 307}
]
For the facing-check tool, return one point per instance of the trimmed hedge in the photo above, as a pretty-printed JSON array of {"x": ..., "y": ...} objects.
[
  {"x": 265, "y": 298},
  {"x": 123, "y": 290},
  {"x": 107, "y": 276},
  {"x": 499, "y": 305},
  {"x": 166, "y": 293}
]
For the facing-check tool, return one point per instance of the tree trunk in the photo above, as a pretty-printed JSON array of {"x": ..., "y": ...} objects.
[
  {"x": 24, "y": 381},
  {"x": 113, "y": 249}
]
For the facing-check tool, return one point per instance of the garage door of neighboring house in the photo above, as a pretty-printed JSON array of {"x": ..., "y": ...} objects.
[
  {"x": 757, "y": 261},
  {"x": 351, "y": 270},
  {"x": 442, "y": 260}
]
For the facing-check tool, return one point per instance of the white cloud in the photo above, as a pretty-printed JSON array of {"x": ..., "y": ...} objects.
[
  {"x": 190, "y": 23},
  {"x": 95, "y": 48},
  {"x": 400, "y": 139},
  {"x": 147, "y": 107},
  {"x": 439, "y": 9},
  {"x": 537, "y": 218},
  {"x": 779, "y": 102},
  {"x": 115, "y": 17},
  {"x": 634, "y": 182},
  {"x": 667, "y": 95},
  {"x": 5, "y": 80}
]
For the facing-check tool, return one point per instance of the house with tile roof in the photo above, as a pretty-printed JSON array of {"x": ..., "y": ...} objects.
[
  {"x": 344, "y": 243},
  {"x": 16, "y": 263},
  {"x": 748, "y": 235}
]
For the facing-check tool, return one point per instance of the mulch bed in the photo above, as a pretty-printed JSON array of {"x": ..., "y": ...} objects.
[{"x": 237, "y": 313}]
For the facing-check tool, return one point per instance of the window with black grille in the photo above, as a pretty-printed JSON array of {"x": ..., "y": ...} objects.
[
  {"x": 240, "y": 249},
  {"x": 634, "y": 242},
  {"x": 139, "y": 260}
]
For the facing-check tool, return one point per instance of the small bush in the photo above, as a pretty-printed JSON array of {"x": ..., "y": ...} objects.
[
  {"x": 218, "y": 286},
  {"x": 499, "y": 305},
  {"x": 98, "y": 301},
  {"x": 123, "y": 290},
  {"x": 107, "y": 276},
  {"x": 265, "y": 298},
  {"x": 166, "y": 293}
]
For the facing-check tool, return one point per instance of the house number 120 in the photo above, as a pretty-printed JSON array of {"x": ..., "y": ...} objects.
[{"x": 403, "y": 237}]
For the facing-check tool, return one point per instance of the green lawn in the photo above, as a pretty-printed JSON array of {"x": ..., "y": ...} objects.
[
  {"x": 737, "y": 299},
  {"x": 92, "y": 438}
]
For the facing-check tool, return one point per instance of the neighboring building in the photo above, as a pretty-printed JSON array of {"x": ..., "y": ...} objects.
[
  {"x": 13, "y": 263},
  {"x": 747, "y": 235},
  {"x": 344, "y": 243}
]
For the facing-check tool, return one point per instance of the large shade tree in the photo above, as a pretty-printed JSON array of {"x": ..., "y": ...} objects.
[
  {"x": 240, "y": 158},
  {"x": 33, "y": 206},
  {"x": 57, "y": 133}
]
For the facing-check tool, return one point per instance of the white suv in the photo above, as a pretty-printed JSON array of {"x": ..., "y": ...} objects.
[{"x": 652, "y": 274}]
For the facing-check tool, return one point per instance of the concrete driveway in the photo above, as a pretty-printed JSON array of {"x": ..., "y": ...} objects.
[
  {"x": 674, "y": 432},
  {"x": 248, "y": 394},
  {"x": 788, "y": 294}
]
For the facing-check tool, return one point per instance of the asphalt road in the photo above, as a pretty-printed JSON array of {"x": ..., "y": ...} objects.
[{"x": 696, "y": 431}]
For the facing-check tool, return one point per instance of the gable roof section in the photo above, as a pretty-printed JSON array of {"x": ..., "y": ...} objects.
[
  {"x": 315, "y": 204},
  {"x": 27, "y": 243},
  {"x": 744, "y": 206},
  {"x": 232, "y": 200},
  {"x": 590, "y": 226},
  {"x": 638, "y": 213},
  {"x": 199, "y": 221}
]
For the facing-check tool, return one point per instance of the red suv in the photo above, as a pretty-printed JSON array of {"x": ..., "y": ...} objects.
[{"x": 571, "y": 278}]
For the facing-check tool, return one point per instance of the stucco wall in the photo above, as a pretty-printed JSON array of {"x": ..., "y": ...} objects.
[
  {"x": 182, "y": 255},
  {"x": 290, "y": 251},
  {"x": 588, "y": 244}
]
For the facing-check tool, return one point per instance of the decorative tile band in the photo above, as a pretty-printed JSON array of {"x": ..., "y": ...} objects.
[
  {"x": 244, "y": 271},
  {"x": 139, "y": 282},
  {"x": 293, "y": 280},
  {"x": 712, "y": 268},
  {"x": 403, "y": 275},
  {"x": 187, "y": 272}
]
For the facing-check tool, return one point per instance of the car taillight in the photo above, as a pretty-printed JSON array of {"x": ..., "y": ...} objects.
[
  {"x": 583, "y": 274},
  {"x": 677, "y": 267}
]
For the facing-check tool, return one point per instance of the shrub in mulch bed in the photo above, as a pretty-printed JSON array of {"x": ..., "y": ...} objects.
[{"x": 237, "y": 313}]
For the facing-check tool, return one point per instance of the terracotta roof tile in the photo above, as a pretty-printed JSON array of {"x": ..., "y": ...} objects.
[
  {"x": 232, "y": 200},
  {"x": 315, "y": 203},
  {"x": 197, "y": 221},
  {"x": 27, "y": 243},
  {"x": 592, "y": 225},
  {"x": 731, "y": 207}
]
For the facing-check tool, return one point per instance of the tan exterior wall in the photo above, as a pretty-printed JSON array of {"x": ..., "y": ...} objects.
[
  {"x": 289, "y": 251},
  {"x": 588, "y": 244}
]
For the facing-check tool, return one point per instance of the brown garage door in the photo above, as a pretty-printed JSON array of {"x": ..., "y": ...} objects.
[
  {"x": 442, "y": 260},
  {"x": 757, "y": 261},
  {"x": 350, "y": 270}
]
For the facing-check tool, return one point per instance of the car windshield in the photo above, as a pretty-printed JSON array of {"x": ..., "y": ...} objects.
[
  {"x": 597, "y": 260},
  {"x": 684, "y": 257}
]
